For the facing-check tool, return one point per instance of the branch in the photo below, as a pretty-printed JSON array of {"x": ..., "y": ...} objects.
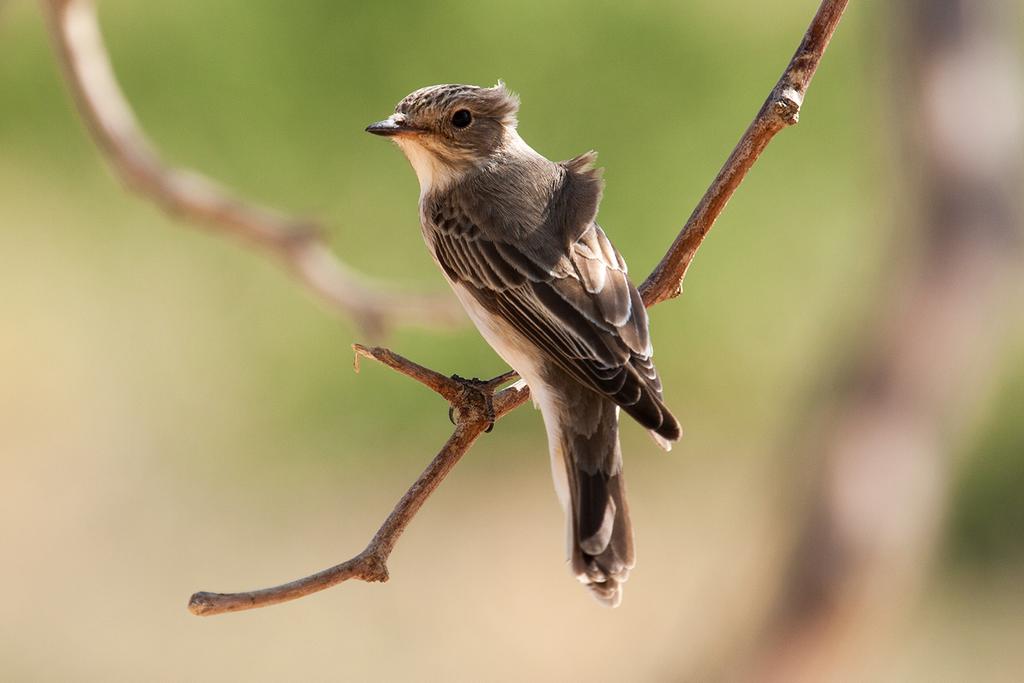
[
  {"x": 369, "y": 565},
  {"x": 297, "y": 244},
  {"x": 780, "y": 110},
  {"x": 475, "y": 407}
]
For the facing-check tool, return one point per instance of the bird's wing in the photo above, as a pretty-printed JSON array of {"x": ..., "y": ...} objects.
[{"x": 577, "y": 306}]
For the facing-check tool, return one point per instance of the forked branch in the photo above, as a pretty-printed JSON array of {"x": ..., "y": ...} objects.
[
  {"x": 475, "y": 407},
  {"x": 780, "y": 110},
  {"x": 296, "y": 244}
]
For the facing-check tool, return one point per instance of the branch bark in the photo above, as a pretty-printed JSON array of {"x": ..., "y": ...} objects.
[
  {"x": 297, "y": 244},
  {"x": 780, "y": 110}
]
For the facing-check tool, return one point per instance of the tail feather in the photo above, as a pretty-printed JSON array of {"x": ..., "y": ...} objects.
[
  {"x": 600, "y": 534},
  {"x": 596, "y": 512},
  {"x": 604, "y": 567}
]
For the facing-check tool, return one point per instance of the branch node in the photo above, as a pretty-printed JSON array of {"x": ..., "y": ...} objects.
[
  {"x": 475, "y": 401},
  {"x": 373, "y": 568},
  {"x": 786, "y": 105}
]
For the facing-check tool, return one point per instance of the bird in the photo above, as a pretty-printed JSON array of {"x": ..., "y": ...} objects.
[{"x": 516, "y": 237}]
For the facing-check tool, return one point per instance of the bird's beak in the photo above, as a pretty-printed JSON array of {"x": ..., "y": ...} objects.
[{"x": 392, "y": 125}]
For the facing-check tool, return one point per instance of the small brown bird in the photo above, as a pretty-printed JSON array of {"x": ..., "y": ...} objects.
[{"x": 515, "y": 236}]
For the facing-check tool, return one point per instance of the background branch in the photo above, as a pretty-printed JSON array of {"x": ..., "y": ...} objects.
[
  {"x": 885, "y": 436},
  {"x": 296, "y": 244},
  {"x": 779, "y": 111}
]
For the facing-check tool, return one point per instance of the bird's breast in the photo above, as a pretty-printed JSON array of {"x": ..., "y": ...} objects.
[{"x": 506, "y": 341}]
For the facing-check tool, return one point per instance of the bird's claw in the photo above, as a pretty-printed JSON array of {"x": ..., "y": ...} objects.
[{"x": 485, "y": 388}]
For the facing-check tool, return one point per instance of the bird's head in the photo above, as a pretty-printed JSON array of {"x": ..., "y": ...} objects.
[{"x": 446, "y": 130}]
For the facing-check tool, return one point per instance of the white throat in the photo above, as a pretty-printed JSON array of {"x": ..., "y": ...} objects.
[{"x": 432, "y": 173}]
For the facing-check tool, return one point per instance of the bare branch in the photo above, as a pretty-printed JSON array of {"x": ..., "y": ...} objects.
[
  {"x": 470, "y": 405},
  {"x": 781, "y": 109},
  {"x": 447, "y": 387},
  {"x": 369, "y": 565},
  {"x": 297, "y": 244},
  {"x": 474, "y": 417}
]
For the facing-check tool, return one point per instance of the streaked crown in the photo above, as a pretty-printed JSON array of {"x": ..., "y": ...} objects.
[{"x": 436, "y": 100}]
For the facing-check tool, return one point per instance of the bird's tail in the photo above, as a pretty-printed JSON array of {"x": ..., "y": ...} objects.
[{"x": 587, "y": 466}]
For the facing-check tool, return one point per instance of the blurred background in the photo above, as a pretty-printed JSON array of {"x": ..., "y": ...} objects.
[{"x": 176, "y": 414}]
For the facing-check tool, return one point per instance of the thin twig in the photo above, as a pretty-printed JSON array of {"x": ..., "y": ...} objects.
[
  {"x": 296, "y": 244},
  {"x": 448, "y": 388},
  {"x": 779, "y": 111}
]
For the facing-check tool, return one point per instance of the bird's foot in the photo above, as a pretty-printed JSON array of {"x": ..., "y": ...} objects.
[{"x": 482, "y": 391}]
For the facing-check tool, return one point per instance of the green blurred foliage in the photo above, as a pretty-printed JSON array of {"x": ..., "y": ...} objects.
[{"x": 987, "y": 525}]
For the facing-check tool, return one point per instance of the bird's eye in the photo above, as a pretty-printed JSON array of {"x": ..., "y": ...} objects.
[{"x": 462, "y": 118}]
